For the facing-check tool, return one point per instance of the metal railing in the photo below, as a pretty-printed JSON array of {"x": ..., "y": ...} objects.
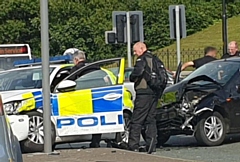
[{"x": 169, "y": 56}]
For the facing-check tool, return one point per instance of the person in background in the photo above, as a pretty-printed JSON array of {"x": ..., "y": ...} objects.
[
  {"x": 233, "y": 50},
  {"x": 209, "y": 55},
  {"x": 79, "y": 60}
]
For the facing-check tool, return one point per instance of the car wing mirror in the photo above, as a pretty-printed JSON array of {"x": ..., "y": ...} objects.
[
  {"x": 238, "y": 88},
  {"x": 66, "y": 86}
]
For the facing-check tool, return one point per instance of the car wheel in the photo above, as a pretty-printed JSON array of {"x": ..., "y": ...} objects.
[
  {"x": 211, "y": 129},
  {"x": 121, "y": 139},
  {"x": 35, "y": 140},
  {"x": 162, "y": 137}
]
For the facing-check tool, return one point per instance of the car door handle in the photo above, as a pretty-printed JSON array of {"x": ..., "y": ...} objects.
[{"x": 112, "y": 96}]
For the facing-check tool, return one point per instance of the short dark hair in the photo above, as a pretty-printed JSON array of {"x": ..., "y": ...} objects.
[{"x": 209, "y": 49}]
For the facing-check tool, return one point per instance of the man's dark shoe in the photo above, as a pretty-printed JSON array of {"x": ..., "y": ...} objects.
[
  {"x": 135, "y": 150},
  {"x": 142, "y": 149},
  {"x": 150, "y": 150}
]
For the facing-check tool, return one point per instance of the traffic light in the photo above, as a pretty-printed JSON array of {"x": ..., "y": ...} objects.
[
  {"x": 123, "y": 20},
  {"x": 120, "y": 24},
  {"x": 135, "y": 28},
  {"x": 110, "y": 37}
]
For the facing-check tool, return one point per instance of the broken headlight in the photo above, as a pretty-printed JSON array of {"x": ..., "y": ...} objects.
[{"x": 11, "y": 107}]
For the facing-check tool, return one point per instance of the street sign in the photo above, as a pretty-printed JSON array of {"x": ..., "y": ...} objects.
[
  {"x": 173, "y": 20},
  {"x": 177, "y": 21}
]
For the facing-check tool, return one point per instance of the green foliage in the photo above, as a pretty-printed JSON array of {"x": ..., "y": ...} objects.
[{"x": 82, "y": 24}]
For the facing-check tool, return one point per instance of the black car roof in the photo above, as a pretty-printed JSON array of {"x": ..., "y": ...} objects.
[{"x": 231, "y": 59}]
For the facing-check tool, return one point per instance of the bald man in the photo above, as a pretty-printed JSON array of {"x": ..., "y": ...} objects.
[
  {"x": 233, "y": 50},
  {"x": 146, "y": 100}
]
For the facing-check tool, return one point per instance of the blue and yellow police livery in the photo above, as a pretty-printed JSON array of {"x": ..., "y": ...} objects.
[{"x": 94, "y": 103}]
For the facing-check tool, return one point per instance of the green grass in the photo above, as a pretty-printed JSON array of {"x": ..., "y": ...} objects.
[
  {"x": 211, "y": 36},
  {"x": 192, "y": 46}
]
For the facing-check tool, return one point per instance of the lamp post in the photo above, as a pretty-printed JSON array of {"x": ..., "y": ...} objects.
[{"x": 45, "y": 73}]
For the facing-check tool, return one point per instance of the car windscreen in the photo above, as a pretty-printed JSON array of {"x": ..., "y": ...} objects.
[
  {"x": 218, "y": 71},
  {"x": 21, "y": 79}
]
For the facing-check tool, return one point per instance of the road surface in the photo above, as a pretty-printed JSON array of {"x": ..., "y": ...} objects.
[{"x": 178, "y": 147}]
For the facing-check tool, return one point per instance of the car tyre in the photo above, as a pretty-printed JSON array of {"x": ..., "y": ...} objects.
[
  {"x": 211, "y": 129},
  {"x": 35, "y": 140},
  {"x": 162, "y": 137}
]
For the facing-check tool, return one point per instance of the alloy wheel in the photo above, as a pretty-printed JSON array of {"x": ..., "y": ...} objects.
[
  {"x": 36, "y": 133},
  {"x": 213, "y": 128}
]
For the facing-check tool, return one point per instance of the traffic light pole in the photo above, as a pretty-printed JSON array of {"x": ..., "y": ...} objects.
[
  {"x": 224, "y": 27},
  {"x": 129, "y": 40},
  {"x": 45, "y": 77},
  {"x": 178, "y": 34}
]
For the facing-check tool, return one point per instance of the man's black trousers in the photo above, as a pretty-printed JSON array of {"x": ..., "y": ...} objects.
[{"x": 144, "y": 113}]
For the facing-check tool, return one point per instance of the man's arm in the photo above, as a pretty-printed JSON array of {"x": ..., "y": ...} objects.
[
  {"x": 138, "y": 69},
  {"x": 187, "y": 64}
]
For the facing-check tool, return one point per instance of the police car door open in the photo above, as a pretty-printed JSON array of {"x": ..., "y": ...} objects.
[{"x": 96, "y": 104}]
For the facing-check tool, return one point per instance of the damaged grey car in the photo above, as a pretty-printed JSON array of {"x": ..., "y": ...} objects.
[{"x": 204, "y": 104}]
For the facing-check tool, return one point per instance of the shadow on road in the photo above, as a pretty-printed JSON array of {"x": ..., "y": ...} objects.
[{"x": 182, "y": 141}]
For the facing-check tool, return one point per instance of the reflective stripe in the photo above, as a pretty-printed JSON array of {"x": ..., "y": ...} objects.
[
  {"x": 111, "y": 75},
  {"x": 65, "y": 65},
  {"x": 27, "y": 95},
  {"x": 54, "y": 101},
  {"x": 28, "y": 102},
  {"x": 38, "y": 99},
  {"x": 127, "y": 98},
  {"x": 75, "y": 103},
  {"x": 102, "y": 105}
]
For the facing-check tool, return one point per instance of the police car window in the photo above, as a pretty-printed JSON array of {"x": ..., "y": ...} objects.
[
  {"x": 98, "y": 78},
  {"x": 101, "y": 74},
  {"x": 21, "y": 79}
]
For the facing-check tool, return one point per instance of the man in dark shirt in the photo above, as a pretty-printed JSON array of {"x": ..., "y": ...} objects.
[
  {"x": 210, "y": 55},
  {"x": 144, "y": 111},
  {"x": 233, "y": 50}
]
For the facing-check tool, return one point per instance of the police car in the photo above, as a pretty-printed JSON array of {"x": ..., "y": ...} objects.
[{"x": 96, "y": 102}]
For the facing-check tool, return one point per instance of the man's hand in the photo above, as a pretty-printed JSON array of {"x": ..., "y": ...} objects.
[
  {"x": 107, "y": 80},
  {"x": 174, "y": 75}
]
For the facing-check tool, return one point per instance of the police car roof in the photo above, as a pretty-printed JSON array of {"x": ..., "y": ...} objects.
[{"x": 36, "y": 67}]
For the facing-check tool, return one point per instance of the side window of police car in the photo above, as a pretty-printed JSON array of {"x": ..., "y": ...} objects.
[
  {"x": 62, "y": 74},
  {"x": 94, "y": 79}
]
